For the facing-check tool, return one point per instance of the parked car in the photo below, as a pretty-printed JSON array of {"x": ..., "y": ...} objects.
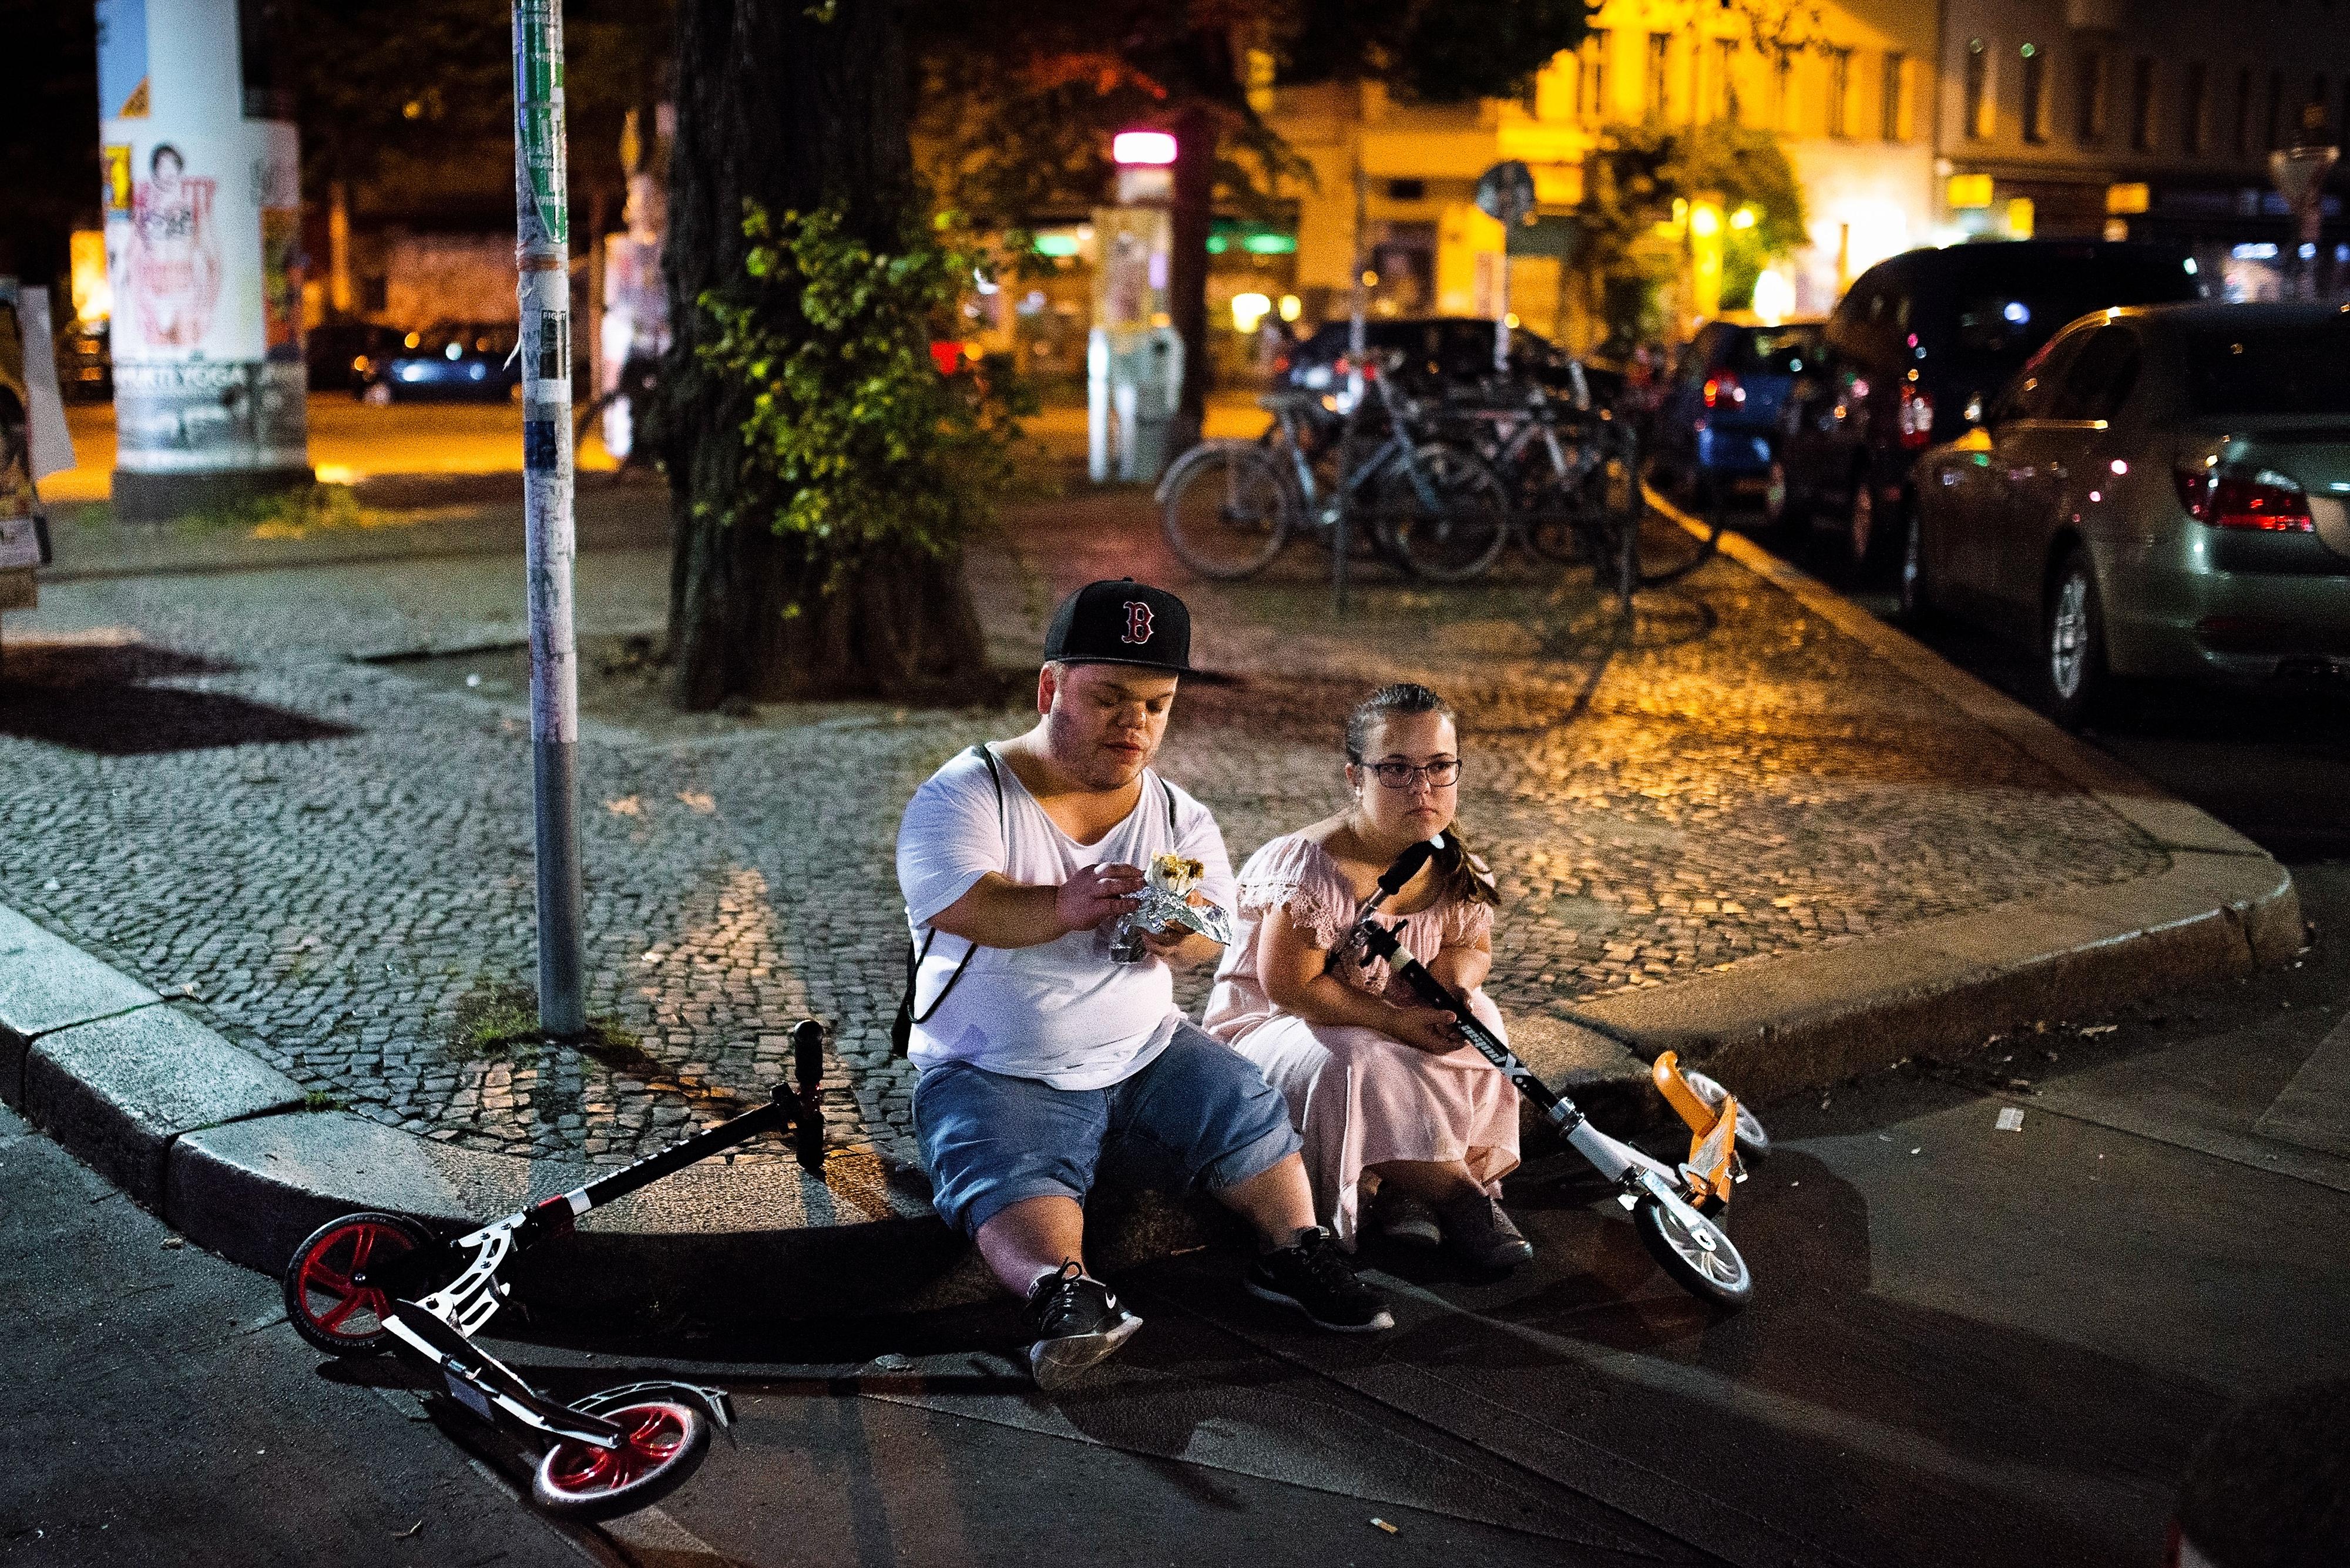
[
  {"x": 338, "y": 354},
  {"x": 2163, "y": 491},
  {"x": 1717, "y": 427},
  {"x": 85, "y": 357},
  {"x": 1916, "y": 341},
  {"x": 1440, "y": 351},
  {"x": 455, "y": 360}
]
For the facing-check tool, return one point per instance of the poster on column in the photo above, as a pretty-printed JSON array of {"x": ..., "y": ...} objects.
[
  {"x": 207, "y": 268},
  {"x": 204, "y": 246}
]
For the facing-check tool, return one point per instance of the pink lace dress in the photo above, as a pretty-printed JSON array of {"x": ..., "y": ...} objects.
[{"x": 1356, "y": 1096}]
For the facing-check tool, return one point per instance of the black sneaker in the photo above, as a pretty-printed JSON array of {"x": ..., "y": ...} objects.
[
  {"x": 1313, "y": 1276},
  {"x": 1076, "y": 1320}
]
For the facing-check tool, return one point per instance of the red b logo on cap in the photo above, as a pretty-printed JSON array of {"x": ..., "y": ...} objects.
[{"x": 1137, "y": 622}]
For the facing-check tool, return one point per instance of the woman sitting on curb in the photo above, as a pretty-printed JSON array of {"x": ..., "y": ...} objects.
[{"x": 1380, "y": 1085}]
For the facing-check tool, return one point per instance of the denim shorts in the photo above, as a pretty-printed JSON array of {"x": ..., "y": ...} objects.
[{"x": 1199, "y": 1115}]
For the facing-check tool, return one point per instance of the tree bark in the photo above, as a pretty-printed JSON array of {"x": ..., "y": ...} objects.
[
  {"x": 1191, "y": 218},
  {"x": 776, "y": 105}
]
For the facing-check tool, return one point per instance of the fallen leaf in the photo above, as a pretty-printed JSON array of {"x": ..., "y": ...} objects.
[
  {"x": 696, "y": 800},
  {"x": 627, "y": 805}
]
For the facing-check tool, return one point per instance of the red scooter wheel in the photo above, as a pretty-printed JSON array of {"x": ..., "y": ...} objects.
[
  {"x": 664, "y": 1445},
  {"x": 341, "y": 1282}
]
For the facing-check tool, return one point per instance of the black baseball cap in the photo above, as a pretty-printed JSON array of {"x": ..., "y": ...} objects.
[{"x": 1121, "y": 622}]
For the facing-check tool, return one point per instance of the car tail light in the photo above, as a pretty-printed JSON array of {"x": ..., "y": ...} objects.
[
  {"x": 1723, "y": 388},
  {"x": 1281, "y": 364},
  {"x": 2267, "y": 502},
  {"x": 1915, "y": 419}
]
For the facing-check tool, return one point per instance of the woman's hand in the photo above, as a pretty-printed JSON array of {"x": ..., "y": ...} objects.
[{"x": 1430, "y": 1029}]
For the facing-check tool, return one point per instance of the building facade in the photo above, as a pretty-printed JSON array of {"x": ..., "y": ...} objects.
[
  {"x": 2143, "y": 120},
  {"x": 1851, "y": 98}
]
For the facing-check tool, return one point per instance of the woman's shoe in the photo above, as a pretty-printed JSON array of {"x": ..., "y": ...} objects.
[
  {"x": 1405, "y": 1220},
  {"x": 1482, "y": 1235}
]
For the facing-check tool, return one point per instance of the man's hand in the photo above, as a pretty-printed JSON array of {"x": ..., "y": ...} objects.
[{"x": 1096, "y": 893}]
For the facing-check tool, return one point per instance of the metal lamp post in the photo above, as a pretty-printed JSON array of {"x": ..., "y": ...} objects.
[{"x": 543, "y": 258}]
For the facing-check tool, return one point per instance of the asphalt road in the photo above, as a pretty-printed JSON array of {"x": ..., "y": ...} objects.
[{"x": 162, "y": 1413}]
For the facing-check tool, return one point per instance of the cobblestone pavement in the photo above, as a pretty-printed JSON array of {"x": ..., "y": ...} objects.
[{"x": 335, "y": 856}]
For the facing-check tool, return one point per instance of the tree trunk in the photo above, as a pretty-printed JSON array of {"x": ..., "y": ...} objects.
[
  {"x": 1192, "y": 217},
  {"x": 778, "y": 106}
]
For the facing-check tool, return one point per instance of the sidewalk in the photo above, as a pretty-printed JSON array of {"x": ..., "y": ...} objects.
[
  {"x": 350, "y": 443},
  {"x": 1764, "y": 831}
]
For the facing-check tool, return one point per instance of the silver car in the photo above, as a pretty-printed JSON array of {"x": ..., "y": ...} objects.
[{"x": 2162, "y": 490}]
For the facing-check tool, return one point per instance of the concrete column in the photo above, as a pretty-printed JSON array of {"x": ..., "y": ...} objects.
[{"x": 203, "y": 240}]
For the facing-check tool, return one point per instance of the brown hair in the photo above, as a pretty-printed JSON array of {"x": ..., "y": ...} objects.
[{"x": 1458, "y": 869}]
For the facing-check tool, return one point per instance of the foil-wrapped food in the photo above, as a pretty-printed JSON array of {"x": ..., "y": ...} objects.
[{"x": 1169, "y": 884}]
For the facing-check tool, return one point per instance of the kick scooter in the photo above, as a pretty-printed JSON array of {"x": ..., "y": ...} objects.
[
  {"x": 360, "y": 1285},
  {"x": 1671, "y": 1205}
]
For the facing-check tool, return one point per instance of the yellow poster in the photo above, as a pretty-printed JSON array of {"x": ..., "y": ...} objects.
[{"x": 117, "y": 178}]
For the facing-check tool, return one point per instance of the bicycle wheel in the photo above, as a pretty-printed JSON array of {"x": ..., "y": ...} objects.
[
  {"x": 1452, "y": 521},
  {"x": 1226, "y": 511},
  {"x": 1560, "y": 513}
]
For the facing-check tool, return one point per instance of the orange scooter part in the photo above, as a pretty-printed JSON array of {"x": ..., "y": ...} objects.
[{"x": 1712, "y": 1141}]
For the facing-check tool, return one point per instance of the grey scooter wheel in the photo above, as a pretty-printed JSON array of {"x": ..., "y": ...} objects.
[
  {"x": 1753, "y": 1143},
  {"x": 1695, "y": 1253},
  {"x": 664, "y": 1444}
]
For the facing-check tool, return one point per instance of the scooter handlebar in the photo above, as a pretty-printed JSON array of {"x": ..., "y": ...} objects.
[{"x": 1406, "y": 866}]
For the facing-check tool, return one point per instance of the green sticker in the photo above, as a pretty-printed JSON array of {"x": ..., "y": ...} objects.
[{"x": 538, "y": 121}]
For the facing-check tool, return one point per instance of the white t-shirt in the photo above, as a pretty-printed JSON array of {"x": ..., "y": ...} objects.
[{"x": 1061, "y": 1012}]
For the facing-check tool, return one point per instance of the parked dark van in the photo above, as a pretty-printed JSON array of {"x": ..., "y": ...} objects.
[{"x": 1917, "y": 342}]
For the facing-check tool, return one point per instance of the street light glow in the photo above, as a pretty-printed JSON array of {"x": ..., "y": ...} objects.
[{"x": 1142, "y": 147}]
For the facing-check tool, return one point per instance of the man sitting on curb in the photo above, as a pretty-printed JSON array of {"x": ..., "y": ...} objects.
[{"x": 1036, "y": 1048}]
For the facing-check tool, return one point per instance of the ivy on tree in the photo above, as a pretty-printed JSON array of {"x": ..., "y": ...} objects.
[{"x": 854, "y": 441}]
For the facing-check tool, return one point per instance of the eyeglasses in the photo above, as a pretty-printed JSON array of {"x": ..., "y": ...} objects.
[{"x": 1403, "y": 775}]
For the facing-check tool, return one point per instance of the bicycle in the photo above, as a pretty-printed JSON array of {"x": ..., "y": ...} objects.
[
  {"x": 1227, "y": 507},
  {"x": 1569, "y": 470}
]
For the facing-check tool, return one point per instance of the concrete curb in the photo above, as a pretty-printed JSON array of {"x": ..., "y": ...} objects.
[{"x": 227, "y": 1150}]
